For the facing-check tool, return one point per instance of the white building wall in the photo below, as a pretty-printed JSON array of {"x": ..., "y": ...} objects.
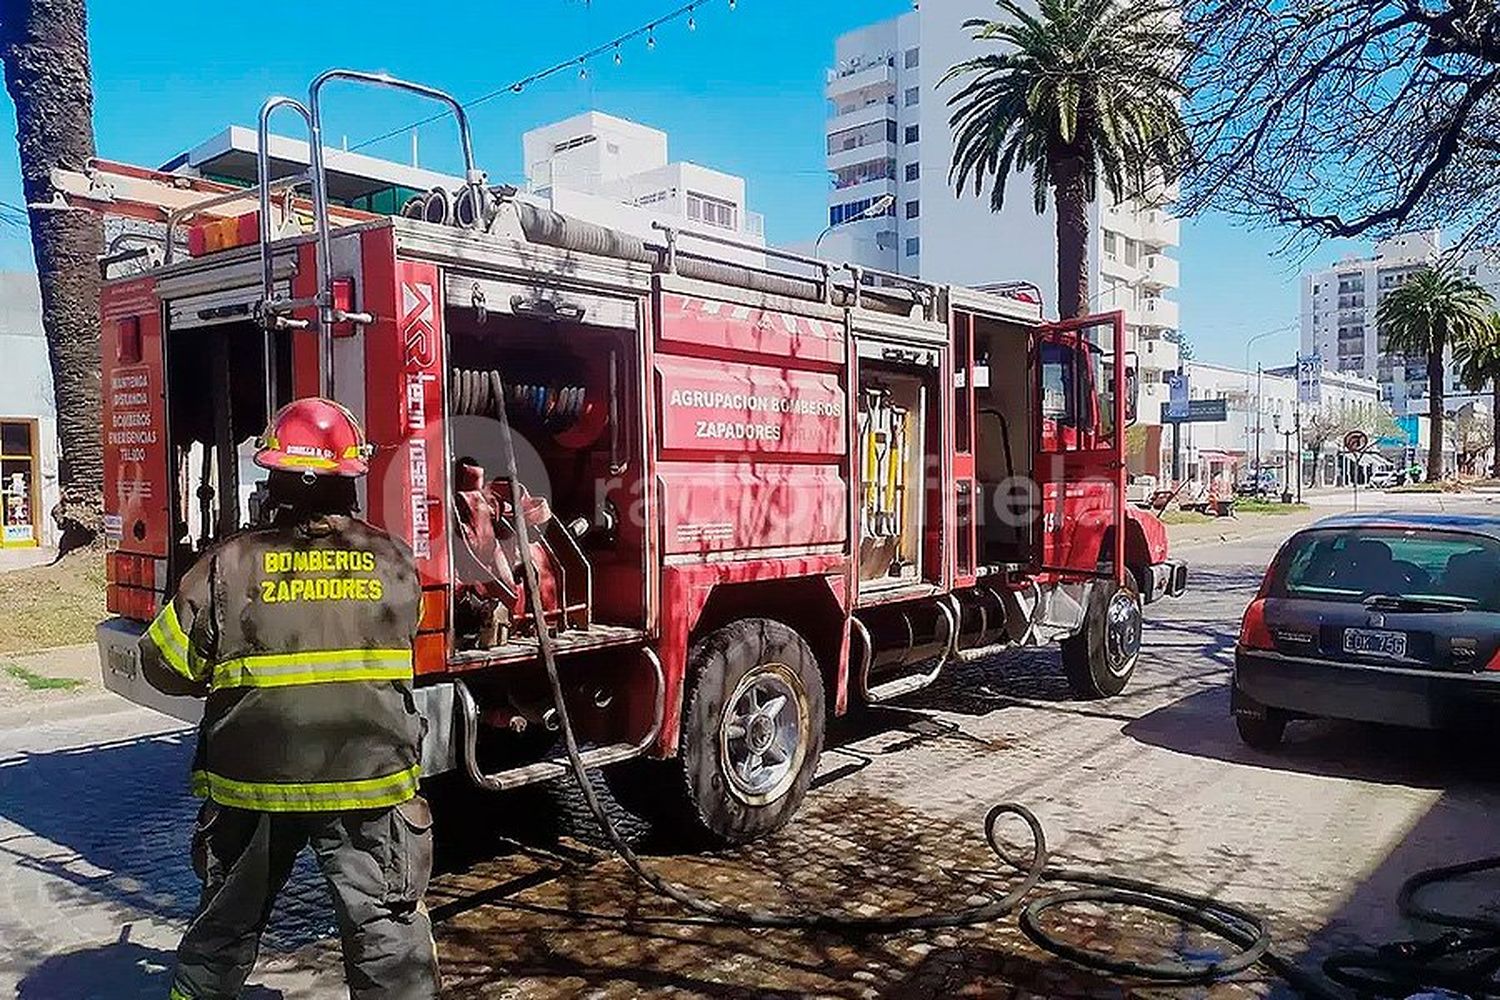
[{"x": 26, "y": 383}]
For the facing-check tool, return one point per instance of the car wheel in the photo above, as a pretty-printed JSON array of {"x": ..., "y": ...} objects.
[
  {"x": 1101, "y": 657},
  {"x": 752, "y": 732},
  {"x": 1263, "y": 732}
]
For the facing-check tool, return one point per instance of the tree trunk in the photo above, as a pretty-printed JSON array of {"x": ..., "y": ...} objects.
[
  {"x": 1435, "y": 408},
  {"x": 1071, "y": 196},
  {"x": 1495, "y": 427},
  {"x": 44, "y": 46}
]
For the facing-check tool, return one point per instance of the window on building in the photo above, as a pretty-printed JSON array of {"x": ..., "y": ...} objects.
[
  {"x": 842, "y": 213},
  {"x": 574, "y": 143},
  {"x": 713, "y": 211},
  {"x": 913, "y": 58},
  {"x": 912, "y": 133},
  {"x": 913, "y": 209},
  {"x": 913, "y": 246},
  {"x": 913, "y": 96},
  {"x": 860, "y": 173},
  {"x": 913, "y": 171},
  {"x": 1111, "y": 243}
]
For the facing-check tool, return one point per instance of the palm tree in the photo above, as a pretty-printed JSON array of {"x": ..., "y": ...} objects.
[
  {"x": 45, "y": 49},
  {"x": 1435, "y": 308},
  {"x": 1080, "y": 90},
  {"x": 1478, "y": 361}
]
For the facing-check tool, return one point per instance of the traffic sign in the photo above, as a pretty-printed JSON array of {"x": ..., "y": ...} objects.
[
  {"x": 1356, "y": 441},
  {"x": 1199, "y": 411},
  {"x": 1309, "y": 378},
  {"x": 1177, "y": 401}
]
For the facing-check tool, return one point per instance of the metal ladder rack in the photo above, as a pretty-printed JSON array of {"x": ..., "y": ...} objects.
[{"x": 274, "y": 311}]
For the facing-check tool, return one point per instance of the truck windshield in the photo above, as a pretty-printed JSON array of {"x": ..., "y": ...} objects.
[{"x": 1413, "y": 569}]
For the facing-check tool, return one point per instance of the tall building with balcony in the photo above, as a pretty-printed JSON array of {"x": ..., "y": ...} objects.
[
  {"x": 616, "y": 172},
  {"x": 1340, "y": 305},
  {"x": 888, "y": 134}
]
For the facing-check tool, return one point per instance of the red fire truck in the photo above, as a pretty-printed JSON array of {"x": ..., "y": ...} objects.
[{"x": 760, "y": 490}]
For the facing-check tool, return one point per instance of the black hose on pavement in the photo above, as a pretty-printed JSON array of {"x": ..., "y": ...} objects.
[{"x": 1241, "y": 928}]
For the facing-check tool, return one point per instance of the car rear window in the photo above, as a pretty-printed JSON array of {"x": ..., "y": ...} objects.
[{"x": 1349, "y": 564}]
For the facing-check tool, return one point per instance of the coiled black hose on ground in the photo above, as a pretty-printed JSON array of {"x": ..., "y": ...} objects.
[{"x": 1241, "y": 928}]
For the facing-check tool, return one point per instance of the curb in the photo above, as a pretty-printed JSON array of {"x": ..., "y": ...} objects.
[
  {"x": 1228, "y": 537},
  {"x": 71, "y": 710}
]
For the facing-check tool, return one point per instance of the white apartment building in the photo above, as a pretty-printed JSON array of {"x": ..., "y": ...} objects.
[
  {"x": 1339, "y": 305},
  {"x": 1262, "y": 421},
  {"x": 616, "y": 172},
  {"x": 888, "y": 134}
]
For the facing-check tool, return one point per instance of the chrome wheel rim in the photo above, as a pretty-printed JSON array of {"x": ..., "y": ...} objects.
[
  {"x": 1122, "y": 632},
  {"x": 762, "y": 735}
]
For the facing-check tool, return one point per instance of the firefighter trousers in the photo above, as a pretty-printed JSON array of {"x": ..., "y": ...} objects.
[{"x": 376, "y": 863}]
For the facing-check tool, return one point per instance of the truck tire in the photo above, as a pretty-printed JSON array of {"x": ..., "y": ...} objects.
[
  {"x": 752, "y": 730},
  {"x": 1100, "y": 658}
]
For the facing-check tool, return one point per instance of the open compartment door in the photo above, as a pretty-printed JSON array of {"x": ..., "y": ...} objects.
[{"x": 1078, "y": 371}]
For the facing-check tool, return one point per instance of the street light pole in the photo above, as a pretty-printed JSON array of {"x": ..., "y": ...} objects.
[
  {"x": 1257, "y": 424},
  {"x": 1283, "y": 328}
]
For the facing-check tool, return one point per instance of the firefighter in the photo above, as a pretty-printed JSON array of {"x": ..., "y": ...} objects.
[{"x": 300, "y": 635}]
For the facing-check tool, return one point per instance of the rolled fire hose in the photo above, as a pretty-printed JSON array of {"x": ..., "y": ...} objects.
[{"x": 1241, "y": 928}]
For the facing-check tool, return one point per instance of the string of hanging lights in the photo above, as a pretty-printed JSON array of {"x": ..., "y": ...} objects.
[{"x": 612, "y": 47}]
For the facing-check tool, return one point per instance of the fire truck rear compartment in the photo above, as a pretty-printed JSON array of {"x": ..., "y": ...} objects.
[
  {"x": 216, "y": 409},
  {"x": 568, "y": 396}
]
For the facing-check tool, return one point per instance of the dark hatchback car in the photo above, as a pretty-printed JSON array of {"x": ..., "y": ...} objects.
[{"x": 1391, "y": 618}]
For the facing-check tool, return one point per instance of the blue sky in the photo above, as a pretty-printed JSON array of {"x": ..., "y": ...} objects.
[{"x": 742, "y": 92}]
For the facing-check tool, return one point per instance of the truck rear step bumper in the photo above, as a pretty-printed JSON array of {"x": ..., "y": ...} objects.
[{"x": 1164, "y": 579}]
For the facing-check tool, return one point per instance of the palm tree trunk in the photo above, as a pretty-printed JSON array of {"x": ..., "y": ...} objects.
[
  {"x": 1435, "y": 408},
  {"x": 1071, "y": 195},
  {"x": 44, "y": 46}
]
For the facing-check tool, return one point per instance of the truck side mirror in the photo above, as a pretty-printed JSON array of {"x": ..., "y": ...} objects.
[{"x": 1132, "y": 387}]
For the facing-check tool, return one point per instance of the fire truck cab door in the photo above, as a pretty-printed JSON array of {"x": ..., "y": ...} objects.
[{"x": 1078, "y": 372}]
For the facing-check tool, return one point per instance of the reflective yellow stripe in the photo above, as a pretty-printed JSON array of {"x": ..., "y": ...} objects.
[
  {"x": 308, "y": 796},
  {"x": 287, "y": 669},
  {"x": 177, "y": 994},
  {"x": 172, "y": 642}
]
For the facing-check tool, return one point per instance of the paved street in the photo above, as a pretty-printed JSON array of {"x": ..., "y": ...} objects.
[{"x": 95, "y": 884}]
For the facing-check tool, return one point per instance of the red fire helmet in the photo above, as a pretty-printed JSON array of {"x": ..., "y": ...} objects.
[{"x": 314, "y": 435}]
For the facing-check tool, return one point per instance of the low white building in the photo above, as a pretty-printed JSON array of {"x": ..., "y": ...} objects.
[
  {"x": 617, "y": 173},
  {"x": 28, "y": 418},
  {"x": 1263, "y": 415}
]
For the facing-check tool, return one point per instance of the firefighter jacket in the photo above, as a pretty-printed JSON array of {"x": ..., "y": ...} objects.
[{"x": 301, "y": 637}]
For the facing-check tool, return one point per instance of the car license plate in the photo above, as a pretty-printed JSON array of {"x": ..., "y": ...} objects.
[{"x": 1373, "y": 642}]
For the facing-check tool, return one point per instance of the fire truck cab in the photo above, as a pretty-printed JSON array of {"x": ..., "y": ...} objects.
[{"x": 760, "y": 490}]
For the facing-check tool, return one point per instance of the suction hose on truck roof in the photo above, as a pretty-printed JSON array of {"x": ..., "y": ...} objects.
[{"x": 1241, "y": 928}]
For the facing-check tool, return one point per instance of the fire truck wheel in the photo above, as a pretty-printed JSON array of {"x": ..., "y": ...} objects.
[
  {"x": 752, "y": 729},
  {"x": 1101, "y": 657}
]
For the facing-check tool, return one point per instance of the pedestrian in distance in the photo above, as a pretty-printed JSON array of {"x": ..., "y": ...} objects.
[{"x": 299, "y": 635}]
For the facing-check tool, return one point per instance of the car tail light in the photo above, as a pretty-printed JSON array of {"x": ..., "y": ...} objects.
[
  {"x": 1253, "y": 631},
  {"x": 1494, "y": 663}
]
